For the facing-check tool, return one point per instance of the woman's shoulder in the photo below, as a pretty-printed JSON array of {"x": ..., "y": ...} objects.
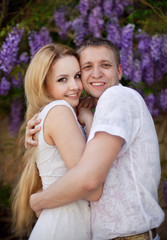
[{"x": 52, "y": 107}]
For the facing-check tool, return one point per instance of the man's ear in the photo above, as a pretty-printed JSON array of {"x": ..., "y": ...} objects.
[{"x": 120, "y": 70}]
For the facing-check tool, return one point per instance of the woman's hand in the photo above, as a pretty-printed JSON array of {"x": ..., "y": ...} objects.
[
  {"x": 86, "y": 102},
  {"x": 33, "y": 203},
  {"x": 85, "y": 115},
  {"x": 31, "y": 131}
]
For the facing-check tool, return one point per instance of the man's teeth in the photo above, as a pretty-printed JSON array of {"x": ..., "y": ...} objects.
[{"x": 97, "y": 84}]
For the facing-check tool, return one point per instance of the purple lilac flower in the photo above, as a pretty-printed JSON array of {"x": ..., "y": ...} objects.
[
  {"x": 164, "y": 45},
  {"x": 60, "y": 21},
  {"x": 156, "y": 45},
  {"x": 9, "y": 50},
  {"x": 147, "y": 65},
  {"x": 163, "y": 99},
  {"x": 96, "y": 2},
  {"x": 164, "y": 190},
  {"x": 115, "y": 7},
  {"x": 146, "y": 60},
  {"x": 83, "y": 7},
  {"x": 17, "y": 81},
  {"x": 15, "y": 116},
  {"x": 151, "y": 101},
  {"x": 160, "y": 68},
  {"x": 158, "y": 72},
  {"x": 163, "y": 57},
  {"x": 127, "y": 62},
  {"x": 126, "y": 3},
  {"x": 136, "y": 71},
  {"x": 163, "y": 65},
  {"x": 127, "y": 35},
  {"x": 144, "y": 42},
  {"x": 114, "y": 32},
  {"x": 80, "y": 30},
  {"x": 148, "y": 74},
  {"x": 119, "y": 7},
  {"x": 147, "y": 68},
  {"x": 127, "y": 50},
  {"x": 4, "y": 86},
  {"x": 96, "y": 21},
  {"x": 24, "y": 58},
  {"x": 108, "y": 7},
  {"x": 38, "y": 40}
]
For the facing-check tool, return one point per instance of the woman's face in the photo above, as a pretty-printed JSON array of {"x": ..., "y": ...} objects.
[{"x": 63, "y": 80}]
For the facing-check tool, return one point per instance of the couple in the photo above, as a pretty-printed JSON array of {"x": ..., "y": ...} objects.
[{"x": 121, "y": 152}]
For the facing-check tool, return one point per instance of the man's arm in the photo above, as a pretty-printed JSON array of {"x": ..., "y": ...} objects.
[{"x": 85, "y": 177}]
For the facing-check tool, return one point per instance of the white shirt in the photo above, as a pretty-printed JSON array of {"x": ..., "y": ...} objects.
[{"x": 129, "y": 203}]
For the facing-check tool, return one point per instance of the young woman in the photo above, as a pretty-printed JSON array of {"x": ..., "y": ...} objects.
[{"x": 53, "y": 87}]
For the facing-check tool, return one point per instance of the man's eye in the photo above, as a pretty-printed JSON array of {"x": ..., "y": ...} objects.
[
  {"x": 106, "y": 65},
  {"x": 62, "y": 80},
  {"x": 87, "y": 67}
]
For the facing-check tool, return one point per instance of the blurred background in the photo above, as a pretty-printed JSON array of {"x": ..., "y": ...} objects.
[{"x": 137, "y": 27}]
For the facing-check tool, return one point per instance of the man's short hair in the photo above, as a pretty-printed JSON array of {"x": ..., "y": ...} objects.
[{"x": 100, "y": 42}]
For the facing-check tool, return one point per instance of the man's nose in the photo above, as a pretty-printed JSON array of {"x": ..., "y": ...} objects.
[{"x": 96, "y": 72}]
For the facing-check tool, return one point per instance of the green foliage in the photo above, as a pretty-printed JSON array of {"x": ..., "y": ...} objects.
[
  {"x": 150, "y": 15},
  {"x": 5, "y": 192}
]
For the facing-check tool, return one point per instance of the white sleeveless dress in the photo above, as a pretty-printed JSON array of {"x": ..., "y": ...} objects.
[{"x": 69, "y": 222}]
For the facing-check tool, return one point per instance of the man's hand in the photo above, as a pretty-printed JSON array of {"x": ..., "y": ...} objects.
[{"x": 31, "y": 131}]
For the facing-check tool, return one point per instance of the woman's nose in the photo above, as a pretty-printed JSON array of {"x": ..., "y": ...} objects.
[{"x": 73, "y": 84}]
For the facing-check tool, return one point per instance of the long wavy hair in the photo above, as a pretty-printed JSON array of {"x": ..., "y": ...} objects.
[{"x": 37, "y": 97}]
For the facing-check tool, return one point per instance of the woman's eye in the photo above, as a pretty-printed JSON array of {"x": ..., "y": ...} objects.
[
  {"x": 78, "y": 76},
  {"x": 62, "y": 80}
]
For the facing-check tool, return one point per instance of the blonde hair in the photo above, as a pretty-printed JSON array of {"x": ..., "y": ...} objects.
[{"x": 37, "y": 97}]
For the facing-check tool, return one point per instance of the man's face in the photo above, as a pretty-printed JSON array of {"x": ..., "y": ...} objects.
[{"x": 99, "y": 70}]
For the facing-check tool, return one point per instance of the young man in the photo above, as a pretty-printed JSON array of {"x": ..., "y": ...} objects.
[{"x": 122, "y": 151}]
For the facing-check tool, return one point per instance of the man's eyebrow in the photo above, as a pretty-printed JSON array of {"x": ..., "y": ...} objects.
[
  {"x": 102, "y": 61},
  {"x": 106, "y": 60},
  {"x": 86, "y": 63}
]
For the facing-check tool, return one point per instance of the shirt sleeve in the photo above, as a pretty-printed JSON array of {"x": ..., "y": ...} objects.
[{"x": 117, "y": 113}]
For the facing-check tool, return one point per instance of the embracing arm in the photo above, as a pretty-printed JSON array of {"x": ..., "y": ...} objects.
[
  {"x": 61, "y": 129},
  {"x": 85, "y": 177}
]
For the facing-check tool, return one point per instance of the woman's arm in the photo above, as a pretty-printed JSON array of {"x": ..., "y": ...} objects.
[{"x": 61, "y": 129}]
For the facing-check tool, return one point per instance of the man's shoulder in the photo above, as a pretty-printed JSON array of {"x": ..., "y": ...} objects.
[{"x": 120, "y": 91}]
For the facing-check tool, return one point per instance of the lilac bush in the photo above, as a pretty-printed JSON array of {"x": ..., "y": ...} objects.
[
  {"x": 15, "y": 116},
  {"x": 38, "y": 40},
  {"x": 9, "y": 50},
  {"x": 143, "y": 56},
  {"x": 96, "y": 21},
  {"x": 127, "y": 50},
  {"x": 13, "y": 64},
  {"x": 4, "y": 86}
]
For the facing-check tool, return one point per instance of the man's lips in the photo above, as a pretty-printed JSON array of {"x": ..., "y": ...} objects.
[{"x": 97, "y": 84}]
